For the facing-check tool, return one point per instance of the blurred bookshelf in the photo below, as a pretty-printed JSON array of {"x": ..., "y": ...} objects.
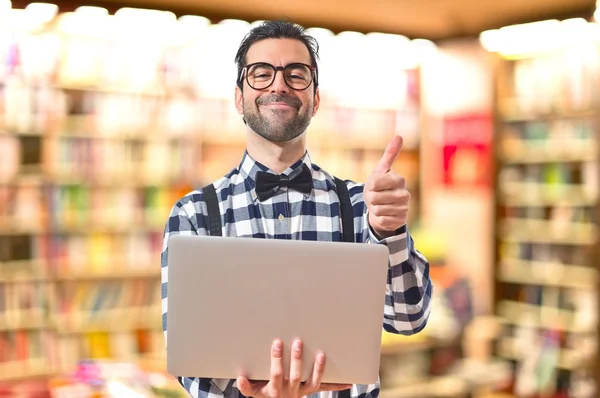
[
  {"x": 546, "y": 268},
  {"x": 100, "y": 134}
]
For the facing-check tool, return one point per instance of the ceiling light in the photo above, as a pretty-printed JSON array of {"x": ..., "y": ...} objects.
[
  {"x": 194, "y": 20},
  {"x": 42, "y": 12},
  {"x": 5, "y": 5},
  {"x": 91, "y": 11}
]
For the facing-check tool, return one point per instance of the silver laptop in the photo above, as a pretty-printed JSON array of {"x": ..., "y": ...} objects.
[{"x": 229, "y": 298}]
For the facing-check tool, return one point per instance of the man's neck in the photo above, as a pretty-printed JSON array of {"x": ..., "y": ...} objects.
[{"x": 277, "y": 156}]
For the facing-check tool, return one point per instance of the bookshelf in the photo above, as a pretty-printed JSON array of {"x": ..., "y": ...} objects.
[
  {"x": 546, "y": 244},
  {"x": 100, "y": 134}
]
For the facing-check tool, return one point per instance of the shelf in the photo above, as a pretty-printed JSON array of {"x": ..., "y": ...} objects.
[
  {"x": 107, "y": 327},
  {"x": 510, "y": 348},
  {"x": 530, "y": 194},
  {"x": 23, "y": 271},
  {"x": 510, "y": 114},
  {"x": 24, "y": 179},
  {"x": 547, "y": 151},
  {"x": 115, "y": 229},
  {"x": 156, "y": 91},
  {"x": 543, "y": 231},
  {"x": 108, "y": 275},
  {"x": 541, "y": 317},
  {"x": 7, "y": 327},
  {"x": 23, "y": 370},
  {"x": 120, "y": 181},
  {"x": 80, "y": 126},
  {"x": 464, "y": 378},
  {"x": 14, "y": 226},
  {"x": 548, "y": 274},
  {"x": 441, "y": 386},
  {"x": 113, "y": 320}
]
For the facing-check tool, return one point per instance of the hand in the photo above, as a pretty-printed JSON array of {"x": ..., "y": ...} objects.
[
  {"x": 385, "y": 194},
  {"x": 289, "y": 387}
]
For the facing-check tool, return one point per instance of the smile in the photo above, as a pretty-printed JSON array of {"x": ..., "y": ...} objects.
[{"x": 279, "y": 105}]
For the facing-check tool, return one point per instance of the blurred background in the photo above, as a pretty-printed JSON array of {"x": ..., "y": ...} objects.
[{"x": 110, "y": 111}]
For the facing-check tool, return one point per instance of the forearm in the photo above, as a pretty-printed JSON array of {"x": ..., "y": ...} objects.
[{"x": 409, "y": 287}]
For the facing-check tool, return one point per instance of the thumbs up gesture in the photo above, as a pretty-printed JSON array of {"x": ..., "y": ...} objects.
[{"x": 385, "y": 194}]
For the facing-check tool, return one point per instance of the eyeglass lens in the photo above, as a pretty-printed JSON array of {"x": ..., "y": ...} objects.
[{"x": 296, "y": 76}]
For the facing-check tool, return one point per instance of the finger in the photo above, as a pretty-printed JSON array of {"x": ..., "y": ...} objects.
[
  {"x": 314, "y": 381},
  {"x": 247, "y": 388},
  {"x": 388, "y": 210},
  {"x": 334, "y": 387},
  {"x": 276, "y": 372},
  {"x": 390, "y": 197},
  {"x": 296, "y": 366},
  {"x": 389, "y": 155},
  {"x": 382, "y": 182}
]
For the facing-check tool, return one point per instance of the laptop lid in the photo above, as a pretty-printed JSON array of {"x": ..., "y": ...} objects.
[{"x": 229, "y": 298}]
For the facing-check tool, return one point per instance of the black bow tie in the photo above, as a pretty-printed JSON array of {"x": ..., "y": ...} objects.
[{"x": 267, "y": 184}]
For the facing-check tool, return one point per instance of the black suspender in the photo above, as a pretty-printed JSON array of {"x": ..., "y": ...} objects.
[
  {"x": 346, "y": 210},
  {"x": 214, "y": 215},
  {"x": 344, "y": 393}
]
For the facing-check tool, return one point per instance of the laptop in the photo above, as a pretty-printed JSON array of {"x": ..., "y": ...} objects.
[{"x": 229, "y": 298}]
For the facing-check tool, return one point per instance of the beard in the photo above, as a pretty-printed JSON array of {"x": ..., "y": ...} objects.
[{"x": 278, "y": 125}]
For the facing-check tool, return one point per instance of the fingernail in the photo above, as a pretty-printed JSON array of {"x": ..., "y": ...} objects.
[
  {"x": 321, "y": 358},
  {"x": 278, "y": 345},
  {"x": 297, "y": 345}
]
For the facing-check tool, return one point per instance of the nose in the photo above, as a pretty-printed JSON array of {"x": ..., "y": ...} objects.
[{"x": 279, "y": 85}]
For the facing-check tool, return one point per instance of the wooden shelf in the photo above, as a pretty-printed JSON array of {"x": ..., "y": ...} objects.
[
  {"x": 11, "y": 372},
  {"x": 548, "y": 273},
  {"x": 541, "y": 317},
  {"x": 109, "y": 275},
  {"x": 567, "y": 359},
  {"x": 530, "y": 194},
  {"x": 550, "y": 152},
  {"x": 541, "y": 231}
]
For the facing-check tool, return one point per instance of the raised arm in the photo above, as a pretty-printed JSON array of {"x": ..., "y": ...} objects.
[
  {"x": 181, "y": 223},
  {"x": 409, "y": 287},
  {"x": 384, "y": 205}
]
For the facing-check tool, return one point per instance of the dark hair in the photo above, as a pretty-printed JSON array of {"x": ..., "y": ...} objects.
[{"x": 277, "y": 30}]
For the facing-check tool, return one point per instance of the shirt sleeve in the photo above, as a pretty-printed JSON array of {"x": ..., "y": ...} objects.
[
  {"x": 180, "y": 223},
  {"x": 409, "y": 287}
]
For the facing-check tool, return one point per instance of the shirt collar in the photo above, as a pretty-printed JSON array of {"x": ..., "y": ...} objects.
[{"x": 248, "y": 168}]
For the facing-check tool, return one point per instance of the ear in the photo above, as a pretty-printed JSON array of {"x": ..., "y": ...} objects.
[
  {"x": 316, "y": 102},
  {"x": 239, "y": 100}
]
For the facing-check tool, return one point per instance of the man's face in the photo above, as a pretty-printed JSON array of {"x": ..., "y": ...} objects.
[{"x": 277, "y": 113}]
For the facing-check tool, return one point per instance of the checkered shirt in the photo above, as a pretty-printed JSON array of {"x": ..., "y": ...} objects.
[{"x": 294, "y": 215}]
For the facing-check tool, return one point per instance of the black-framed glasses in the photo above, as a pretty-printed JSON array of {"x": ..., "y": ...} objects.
[{"x": 261, "y": 75}]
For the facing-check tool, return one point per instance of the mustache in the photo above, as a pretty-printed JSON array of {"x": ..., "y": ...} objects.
[{"x": 291, "y": 101}]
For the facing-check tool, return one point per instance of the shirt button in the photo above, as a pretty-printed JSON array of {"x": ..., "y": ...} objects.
[{"x": 281, "y": 217}]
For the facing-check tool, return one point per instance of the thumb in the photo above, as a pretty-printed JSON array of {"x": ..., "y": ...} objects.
[{"x": 389, "y": 155}]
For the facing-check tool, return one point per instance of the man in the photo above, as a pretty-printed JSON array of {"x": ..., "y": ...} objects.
[{"x": 277, "y": 95}]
